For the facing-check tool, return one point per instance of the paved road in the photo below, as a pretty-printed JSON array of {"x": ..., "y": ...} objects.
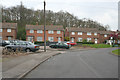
[{"x": 96, "y": 63}]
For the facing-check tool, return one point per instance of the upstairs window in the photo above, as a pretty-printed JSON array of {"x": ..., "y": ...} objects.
[
  {"x": 95, "y": 33},
  {"x": 0, "y": 30},
  {"x": 88, "y": 33},
  {"x": 105, "y": 35},
  {"x": 73, "y": 33},
  {"x": 31, "y": 31},
  {"x": 58, "y": 32},
  {"x": 79, "y": 33},
  {"x": 8, "y": 30},
  {"x": 39, "y": 31},
  {"x": 50, "y": 31}
]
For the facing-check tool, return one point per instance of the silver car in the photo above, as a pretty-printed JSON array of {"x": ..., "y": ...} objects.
[{"x": 23, "y": 45}]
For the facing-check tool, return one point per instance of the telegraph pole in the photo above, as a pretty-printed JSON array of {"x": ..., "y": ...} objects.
[{"x": 44, "y": 28}]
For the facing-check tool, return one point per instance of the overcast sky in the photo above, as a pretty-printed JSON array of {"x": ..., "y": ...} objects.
[{"x": 102, "y": 11}]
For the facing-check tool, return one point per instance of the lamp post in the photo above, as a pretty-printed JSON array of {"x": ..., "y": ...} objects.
[{"x": 44, "y": 28}]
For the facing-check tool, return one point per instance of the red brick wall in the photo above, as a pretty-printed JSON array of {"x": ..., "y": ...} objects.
[
  {"x": 5, "y": 34},
  {"x": 55, "y": 35}
]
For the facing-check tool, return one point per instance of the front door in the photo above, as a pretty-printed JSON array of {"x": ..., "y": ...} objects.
[
  {"x": 72, "y": 39},
  {"x": 59, "y": 39},
  {"x": 96, "y": 41}
]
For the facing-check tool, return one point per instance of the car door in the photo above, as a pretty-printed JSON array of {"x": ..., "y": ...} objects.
[{"x": 23, "y": 46}]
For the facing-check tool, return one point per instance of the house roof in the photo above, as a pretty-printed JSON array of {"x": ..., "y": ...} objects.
[
  {"x": 75, "y": 29},
  {"x": 41, "y": 27},
  {"x": 82, "y": 29},
  {"x": 105, "y": 32},
  {"x": 9, "y": 25}
]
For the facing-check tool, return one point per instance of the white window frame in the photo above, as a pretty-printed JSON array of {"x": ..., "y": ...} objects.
[
  {"x": 79, "y": 33},
  {"x": 95, "y": 33},
  {"x": 58, "y": 32},
  {"x": 80, "y": 39},
  {"x": 39, "y": 38},
  {"x": 89, "y": 39},
  {"x": 31, "y": 31},
  {"x": 51, "y": 39},
  {"x": 9, "y": 38},
  {"x": 1, "y": 30},
  {"x": 73, "y": 33},
  {"x": 50, "y": 32},
  {"x": 105, "y": 35},
  {"x": 9, "y": 30},
  {"x": 39, "y": 31},
  {"x": 88, "y": 33}
]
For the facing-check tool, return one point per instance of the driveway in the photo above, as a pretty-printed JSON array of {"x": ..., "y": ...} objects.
[{"x": 97, "y": 63}]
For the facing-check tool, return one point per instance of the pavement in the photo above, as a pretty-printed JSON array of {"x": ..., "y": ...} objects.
[
  {"x": 19, "y": 66},
  {"x": 94, "y": 63}
]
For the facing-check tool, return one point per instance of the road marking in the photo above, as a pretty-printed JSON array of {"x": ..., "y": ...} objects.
[{"x": 93, "y": 70}]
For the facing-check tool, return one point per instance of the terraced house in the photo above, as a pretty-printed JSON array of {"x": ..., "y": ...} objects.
[
  {"x": 8, "y": 31},
  {"x": 54, "y": 33},
  {"x": 89, "y": 34}
]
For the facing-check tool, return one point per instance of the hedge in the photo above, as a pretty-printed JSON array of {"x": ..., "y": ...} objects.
[{"x": 85, "y": 42}]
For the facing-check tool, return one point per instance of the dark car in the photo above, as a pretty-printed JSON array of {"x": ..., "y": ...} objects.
[
  {"x": 23, "y": 45},
  {"x": 4, "y": 42},
  {"x": 60, "y": 45}
]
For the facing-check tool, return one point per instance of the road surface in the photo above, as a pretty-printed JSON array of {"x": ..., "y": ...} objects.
[{"x": 97, "y": 63}]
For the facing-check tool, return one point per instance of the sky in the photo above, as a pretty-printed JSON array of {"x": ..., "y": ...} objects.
[{"x": 102, "y": 11}]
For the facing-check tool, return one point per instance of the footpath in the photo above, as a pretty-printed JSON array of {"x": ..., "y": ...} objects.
[{"x": 18, "y": 67}]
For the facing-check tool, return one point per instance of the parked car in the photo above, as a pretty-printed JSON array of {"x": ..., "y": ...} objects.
[
  {"x": 71, "y": 43},
  {"x": 23, "y": 45},
  {"x": 60, "y": 45},
  {"x": 4, "y": 42}
]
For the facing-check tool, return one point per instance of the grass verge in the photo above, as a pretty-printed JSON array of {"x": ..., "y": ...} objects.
[
  {"x": 117, "y": 52},
  {"x": 96, "y": 45}
]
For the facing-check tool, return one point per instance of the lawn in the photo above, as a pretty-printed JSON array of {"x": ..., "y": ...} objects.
[
  {"x": 117, "y": 51},
  {"x": 97, "y": 45}
]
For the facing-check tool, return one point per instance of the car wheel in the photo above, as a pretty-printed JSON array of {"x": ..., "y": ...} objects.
[
  {"x": 28, "y": 50},
  {"x": 9, "y": 49}
]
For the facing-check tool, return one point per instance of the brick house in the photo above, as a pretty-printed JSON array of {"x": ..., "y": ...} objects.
[
  {"x": 89, "y": 34},
  {"x": 54, "y": 33},
  {"x": 8, "y": 31}
]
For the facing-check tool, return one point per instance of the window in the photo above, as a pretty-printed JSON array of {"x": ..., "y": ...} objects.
[
  {"x": 39, "y": 39},
  {"x": 0, "y": 30},
  {"x": 105, "y": 35},
  {"x": 51, "y": 39},
  {"x": 50, "y": 31},
  {"x": 79, "y": 39},
  {"x": 59, "y": 39},
  {"x": 79, "y": 33},
  {"x": 0, "y": 39},
  {"x": 88, "y": 33},
  {"x": 95, "y": 33},
  {"x": 58, "y": 32},
  {"x": 39, "y": 31},
  {"x": 30, "y": 39},
  {"x": 73, "y": 33},
  {"x": 9, "y": 38},
  {"x": 8, "y": 30},
  {"x": 88, "y": 39},
  {"x": 31, "y": 31}
]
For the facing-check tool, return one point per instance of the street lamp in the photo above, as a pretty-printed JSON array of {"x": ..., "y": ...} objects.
[{"x": 44, "y": 28}]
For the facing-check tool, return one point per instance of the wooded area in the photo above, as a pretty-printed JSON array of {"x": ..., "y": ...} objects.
[{"x": 22, "y": 15}]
